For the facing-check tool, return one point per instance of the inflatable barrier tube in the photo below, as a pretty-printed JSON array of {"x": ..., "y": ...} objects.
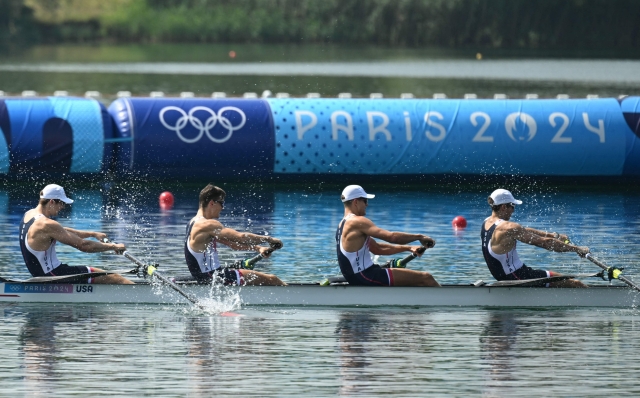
[
  {"x": 244, "y": 137},
  {"x": 54, "y": 134},
  {"x": 597, "y": 137},
  {"x": 175, "y": 137}
]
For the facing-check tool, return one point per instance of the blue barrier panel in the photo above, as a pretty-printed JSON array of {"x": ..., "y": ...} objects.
[
  {"x": 53, "y": 134},
  {"x": 4, "y": 138},
  {"x": 534, "y": 137},
  {"x": 631, "y": 112},
  {"x": 167, "y": 137}
]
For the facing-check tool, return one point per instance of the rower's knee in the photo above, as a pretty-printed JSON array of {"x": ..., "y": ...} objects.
[
  {"x": 429, "y": 280},
  {"x": 275, "y": 281}
]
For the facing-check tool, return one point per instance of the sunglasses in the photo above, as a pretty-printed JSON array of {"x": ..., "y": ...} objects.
[
  {"x": 220, "y": 202},
  {"x": 364, "y": 200},
  {"x": 511, "y": 205}
]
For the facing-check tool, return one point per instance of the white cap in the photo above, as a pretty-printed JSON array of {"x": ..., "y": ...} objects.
[
  {"x": 354, "y": 192},
  {"x": 54, "y": 191},
  {"x": 502, "y": 196}
]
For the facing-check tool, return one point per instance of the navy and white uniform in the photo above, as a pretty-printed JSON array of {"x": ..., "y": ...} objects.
[
  {"x": 45, "y": 263},
  {"x": 357, "y": 267},
  {"x": 508, "y": 266},
  {"x": 206, "y": 266}
]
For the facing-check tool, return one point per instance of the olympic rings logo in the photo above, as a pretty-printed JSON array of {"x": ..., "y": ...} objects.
[{"x": 203, "y": 128}]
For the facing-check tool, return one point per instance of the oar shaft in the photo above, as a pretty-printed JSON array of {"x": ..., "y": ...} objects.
[
  {"x": 605, "y": 267},
  {"x": 248, "y": 264},
  {"x": 411, "y": 256},
  {"x": 133, "y": 260},
  {"x": 162, "y": 278},
  {"x": 176, "y": 288}
]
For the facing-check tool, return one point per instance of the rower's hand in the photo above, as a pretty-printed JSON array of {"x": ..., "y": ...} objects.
[
  {"x": 120, "y": 248},
  {"x": 101, "y": 237},
  {"x": 417, "y": 250},
  {"x": 563, "y": 238},
  {"x": 428, "y": 242},
  {"x": 275, "y": 243},
  {"x": 265, "y": 251},
  {"x": 582, "y": 251}
]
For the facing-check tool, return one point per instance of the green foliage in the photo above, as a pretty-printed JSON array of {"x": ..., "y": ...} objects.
[
  {"x": 15, "y": 23},
  {"x": 510, "y": 24}
]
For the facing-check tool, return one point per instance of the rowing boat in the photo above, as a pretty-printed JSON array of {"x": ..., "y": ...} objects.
[
  {"x": 334, "y": 291},
  {"x": 316, "y": 295}
]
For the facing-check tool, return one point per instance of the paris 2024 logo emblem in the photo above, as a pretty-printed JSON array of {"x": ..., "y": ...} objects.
[{"x": 204, "y": 119}]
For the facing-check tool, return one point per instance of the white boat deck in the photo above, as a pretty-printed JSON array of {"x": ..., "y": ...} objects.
[{"x": 315, "y": 295}]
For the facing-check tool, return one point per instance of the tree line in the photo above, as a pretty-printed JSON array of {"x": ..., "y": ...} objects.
[{"x": 501, "y": 24}]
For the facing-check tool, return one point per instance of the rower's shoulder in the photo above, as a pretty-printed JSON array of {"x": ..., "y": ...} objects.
[
  {"x": 26, "y": 217},
  {"x": 357, "y": 220},
  {"x": 507, "y": 226},
  {"x": 204, "y": 223}
]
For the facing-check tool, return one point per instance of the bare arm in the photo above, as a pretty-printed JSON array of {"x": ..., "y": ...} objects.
[
  {"x": 245, "y": 240},
  {"x": 385, "y": 249},
  {"x": 368, "y": 228},
  {"x": 526, "y": 235},
  {"x": 57, "y": 232},
  {"x": 87, "y": 234},
  {"x": 544, "y": 234}
]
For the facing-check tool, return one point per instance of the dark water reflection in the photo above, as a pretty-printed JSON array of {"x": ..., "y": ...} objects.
[
  {"x": 126, "y": 350},
  {"x": 132, "y": 350}
]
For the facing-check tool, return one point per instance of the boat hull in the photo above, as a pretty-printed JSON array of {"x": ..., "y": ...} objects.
[{"x": 315, "y": 295}]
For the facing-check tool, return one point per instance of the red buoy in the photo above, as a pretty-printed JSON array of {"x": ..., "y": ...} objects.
[
  {"x": 232, "y": 54},
  {"x": 166, "y": 200},
  {"x": 459, "y": 222}
]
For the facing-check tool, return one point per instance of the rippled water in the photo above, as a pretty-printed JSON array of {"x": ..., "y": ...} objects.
[
  {"x": 298, "y": 70},
  {"x": 125, "y": 350},
  {"x": 607, "y": 71},
  {"x": 305, "y": 218},
  {"x": 135, "y": 350}
]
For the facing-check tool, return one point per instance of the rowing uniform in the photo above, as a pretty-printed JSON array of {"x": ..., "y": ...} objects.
[
  {"x": 205, "y": 266},
  {"x": 45, "y": 263},
  {"x": 506, "y": 267},
  {"x": 357, "y": 267}
]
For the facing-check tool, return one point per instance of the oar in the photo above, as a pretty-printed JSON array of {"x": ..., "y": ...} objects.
[
  {"x": 402, "y": 263},
  {"x": 151, "y": 271},
  {"x": 250, "y": 263},
  {"x": 614, "y": 273}
]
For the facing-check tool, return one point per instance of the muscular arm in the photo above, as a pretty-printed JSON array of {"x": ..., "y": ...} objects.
[
  {"x": 541, "y": 239},
  {"x": 86, "y": 234},
  {"x": 385, "y": 249},
  {"x": 244, "y": 240},
  {"x": 368, "y": 228},
  {"x": 55, "y": 231}
]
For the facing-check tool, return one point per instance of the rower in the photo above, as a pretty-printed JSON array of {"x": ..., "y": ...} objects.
[
  {"x": 205, "y": 232},
  {"x": 354, "y": 242},
  {"x": 39, "y": 234},
  {"x": 500, "y": 236}
]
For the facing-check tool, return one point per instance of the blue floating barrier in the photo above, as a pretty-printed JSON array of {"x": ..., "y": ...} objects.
[
  {"x": 193, "y": 137},
  {"x": 597, "y": 137},
  {"x": 53, "y": 134}
]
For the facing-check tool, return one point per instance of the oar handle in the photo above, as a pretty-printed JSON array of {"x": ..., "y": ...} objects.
[
  {"x": 250, "y": 263},
  {"x": 615, "y": 275},
  {"x": 402, "y": 263}
]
